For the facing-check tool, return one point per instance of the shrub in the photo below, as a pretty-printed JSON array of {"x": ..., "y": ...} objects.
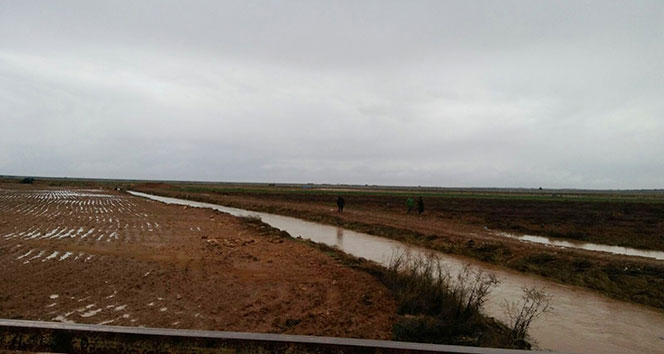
[
  {"x": 471, "y": 289},
  {"x": 424, "y": 285},
  {"x": 534, "y": 303},
  {"x": 437, "y": 305}
]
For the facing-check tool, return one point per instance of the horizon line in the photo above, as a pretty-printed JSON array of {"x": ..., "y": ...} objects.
[{"x": 329, "y": 184}]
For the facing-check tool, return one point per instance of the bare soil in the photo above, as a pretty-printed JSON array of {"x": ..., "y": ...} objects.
[{"x": 104, "y": 257}]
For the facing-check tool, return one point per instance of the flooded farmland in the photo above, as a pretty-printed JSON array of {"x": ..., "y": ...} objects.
[{"x": 583, "y": 320}]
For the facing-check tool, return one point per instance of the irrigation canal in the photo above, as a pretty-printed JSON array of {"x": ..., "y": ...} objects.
[{"x": 582, "y": 322}]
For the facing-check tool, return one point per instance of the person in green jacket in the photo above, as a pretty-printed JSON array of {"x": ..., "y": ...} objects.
[{"x": 410, "y": 203}]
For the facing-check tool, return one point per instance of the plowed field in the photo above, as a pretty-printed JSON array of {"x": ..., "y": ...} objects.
[{"x": 104, "y": 257}]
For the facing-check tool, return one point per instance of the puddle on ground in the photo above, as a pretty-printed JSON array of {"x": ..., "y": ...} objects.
[{"x": 583, "y": 321}]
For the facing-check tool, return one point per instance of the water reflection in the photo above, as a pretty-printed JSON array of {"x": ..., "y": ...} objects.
[{"x": 340, "y": 237}]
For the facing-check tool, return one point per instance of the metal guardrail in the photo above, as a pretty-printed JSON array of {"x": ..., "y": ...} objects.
[{"x": 82, "y": 338}]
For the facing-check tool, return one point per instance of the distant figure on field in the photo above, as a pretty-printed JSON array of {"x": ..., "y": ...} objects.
[
  {"x": 420, "y": 206},
  {"x": 410, "y": 203},
  {"x": 340, "y": 203}
]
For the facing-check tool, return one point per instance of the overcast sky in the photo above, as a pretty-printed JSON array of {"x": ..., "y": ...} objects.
[{"x": 437, "y": 93}]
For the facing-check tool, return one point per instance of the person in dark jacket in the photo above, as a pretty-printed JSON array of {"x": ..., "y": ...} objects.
[
  {"x": 340, "y": 203},
  {"x": 420, "y": 206}
]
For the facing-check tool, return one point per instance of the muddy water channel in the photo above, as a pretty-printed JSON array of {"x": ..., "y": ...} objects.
[
  {"x": 659, "y": 255},
  {"x": 582, "y": 321}
]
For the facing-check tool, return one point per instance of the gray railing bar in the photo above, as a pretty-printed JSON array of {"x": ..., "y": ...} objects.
[{"x": 255, "y": 338}]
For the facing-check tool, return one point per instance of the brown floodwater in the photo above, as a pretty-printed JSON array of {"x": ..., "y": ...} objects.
[
  {"x": 582, "y": 321},
  {"x": 585, "y": 246}
]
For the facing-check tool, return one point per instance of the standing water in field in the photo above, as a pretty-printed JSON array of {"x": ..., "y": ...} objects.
[
  {"x": 586, "y": 246},
  {"x": 582, "y": 321}
]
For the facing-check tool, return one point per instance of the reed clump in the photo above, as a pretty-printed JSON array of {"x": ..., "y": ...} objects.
[{"x": 441, "y": 306}]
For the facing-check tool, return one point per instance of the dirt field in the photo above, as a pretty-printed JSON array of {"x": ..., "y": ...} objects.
[
  {"x": 102, "y": 257},
  {"x": 459, "y": 226}
]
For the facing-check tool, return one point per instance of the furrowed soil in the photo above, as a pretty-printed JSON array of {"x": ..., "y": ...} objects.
[
  {"x": 465, "y": 226},
  {"x": 105, "y": 257}
]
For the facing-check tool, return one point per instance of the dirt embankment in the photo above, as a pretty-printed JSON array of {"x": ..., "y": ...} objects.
[
  {"x": 108, "y": 258},
  {"x": 461, "y": 231}
]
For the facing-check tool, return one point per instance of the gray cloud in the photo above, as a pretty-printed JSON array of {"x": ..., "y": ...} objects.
[{"x": 515, "y": 93}]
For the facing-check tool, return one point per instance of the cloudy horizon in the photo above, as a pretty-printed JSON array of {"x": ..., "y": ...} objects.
[{"x": 455, "y": 94}]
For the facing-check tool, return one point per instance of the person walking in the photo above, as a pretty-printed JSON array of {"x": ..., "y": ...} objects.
[
  {"x": 409, "y": 203},
  {"x": 420, "y": 206},
  {"x": 340, "y": 204}
]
